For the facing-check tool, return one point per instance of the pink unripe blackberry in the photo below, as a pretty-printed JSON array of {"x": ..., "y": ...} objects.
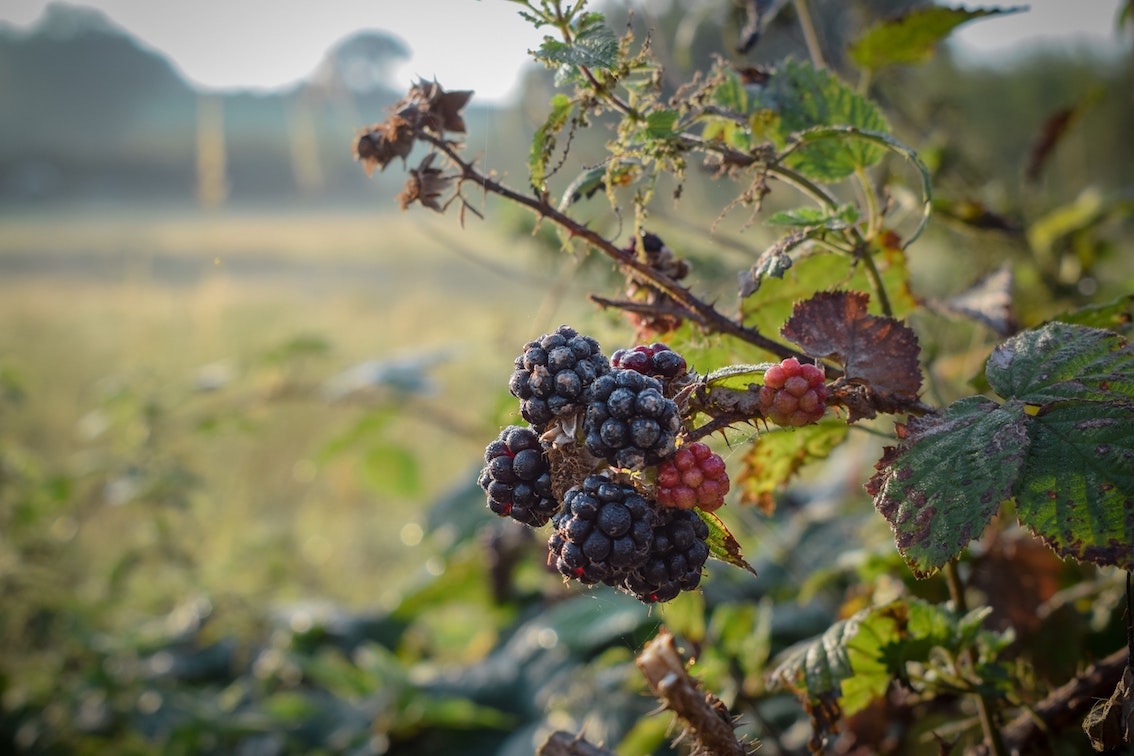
[
  {"x": 793, "y": 395},
  {"x": 694, "y": 476}
]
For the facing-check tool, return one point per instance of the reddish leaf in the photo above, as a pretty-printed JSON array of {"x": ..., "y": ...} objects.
[{"x": 878, "y": 351}]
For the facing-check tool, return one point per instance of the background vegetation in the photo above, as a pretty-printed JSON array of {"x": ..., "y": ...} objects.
[{"x": 238, "y": 448}]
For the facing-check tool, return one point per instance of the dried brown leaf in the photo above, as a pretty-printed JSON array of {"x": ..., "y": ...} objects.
[{"x": 877, "y": 351}]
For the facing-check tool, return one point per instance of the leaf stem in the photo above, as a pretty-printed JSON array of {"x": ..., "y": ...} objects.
[{"x": 984, "y": 705}]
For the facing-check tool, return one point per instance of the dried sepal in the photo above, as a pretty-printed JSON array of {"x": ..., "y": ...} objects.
[{"x": 425, "y": 185}]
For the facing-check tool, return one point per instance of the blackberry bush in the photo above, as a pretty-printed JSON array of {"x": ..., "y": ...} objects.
[
  {"x": 793, "y": 395},
  {"x": 553, "y": 372},
  {"x": 695, "y": 476},
  {"x": 629, "y": 421},
  {"x": 517, "y": 477},
  {"x": 605, "y": 530},
  {"x": 676, "y": 558}
]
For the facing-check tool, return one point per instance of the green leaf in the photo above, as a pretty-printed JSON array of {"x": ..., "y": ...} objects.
[
  {"x": 1062, "y": 445},
  {"x": 776, "y": 456},
  {"x": 660, "y": 123},
  {"x": 594, "y": 47},
  {"x": 841, "y": 218},
  {"x": 731, "y": 94},
  {"x": 806, "y": 97},
  {"x": 543, "y": 141},
  {"x": 1077, "y": 487},
  {"x": 1117, "y": 316},
  {"x": 722, "y": 545},
  {"x": 940, "y": 488},
  {"x": 856, "y": 658},
  {"x": 912, "y": 37},
  {"x": 1062, "y": 361}
]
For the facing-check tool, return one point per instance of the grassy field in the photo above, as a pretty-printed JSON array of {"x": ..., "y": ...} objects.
[{"x": 173, "y": 369}]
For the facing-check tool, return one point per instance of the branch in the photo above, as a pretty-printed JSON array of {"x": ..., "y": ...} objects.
[
  {"x": 707, "y": 718},
  {"x": 1064, "y": 708},
  {"x": 706, "y": 314}
]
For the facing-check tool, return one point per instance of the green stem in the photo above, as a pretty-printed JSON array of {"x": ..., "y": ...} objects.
[
  {"x": 984, "y": 705},
  {"x": 876, "y": 280}
]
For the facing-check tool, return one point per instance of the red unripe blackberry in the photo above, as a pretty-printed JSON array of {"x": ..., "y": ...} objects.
[
  {"x": 605, "y": 530},
  {"x": 517, "y": 478},
  {"x": 629, "y": 422},
  {"x": 793, "y": 395},
  {"x": 553, "y": 372},
  {"x": 695, "y": 476},
  {"x": 680, "y": 550},
  {"x": 655, "y": 359}
]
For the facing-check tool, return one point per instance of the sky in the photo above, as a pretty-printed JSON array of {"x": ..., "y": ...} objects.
[{"x": 466, "y": 44}]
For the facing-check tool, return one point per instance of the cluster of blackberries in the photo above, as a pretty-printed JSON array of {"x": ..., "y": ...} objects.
[{"x": 595, "y": 429}]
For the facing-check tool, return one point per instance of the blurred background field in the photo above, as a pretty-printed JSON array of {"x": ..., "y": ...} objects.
[{"x": 243, "y": 400}]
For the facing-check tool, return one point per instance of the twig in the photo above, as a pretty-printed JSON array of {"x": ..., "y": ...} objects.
[
  {"x": 1065, "y": 706},
  {"x": 706, "y": 313},
  {"x": 707, "y": 718}
]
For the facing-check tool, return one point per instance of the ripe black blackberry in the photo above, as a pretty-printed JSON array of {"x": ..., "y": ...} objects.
[
  {"x": 629, "y": 422},
  {"x": 679, "y": 552},
  {"x": 553, "y": 373},
  {"x": 517, "y": 477},
  {"x": 604, "y": 531},
  {"x": 655, "y": 359}
]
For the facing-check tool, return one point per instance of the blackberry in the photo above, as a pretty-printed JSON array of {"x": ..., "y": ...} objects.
[
  {"x": 793, "y": 395},
  {"x": 629, "y": 422},
  {"x": 604, "y": 531},
  {"x": 655, "y": 359},
  {"x": 553, "y": 373},
  {"x": 694, "y": 476},
  {"x": 517, "y": 477},
  {"x": 679, "y": 552}
]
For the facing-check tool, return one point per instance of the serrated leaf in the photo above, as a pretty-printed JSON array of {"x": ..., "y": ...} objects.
[
  {"x": 1063, "y": 361},
  {"x": 721, "y": 543},
  {"x": 878, "y": 351},
  {"x": 1117, "y": 316},
  {"x": 776, "y": 456},
  {"x": 1076, "y": 490},
  {"x": 912, "y": 37},
  {"x": 594, "y": 47},
  {"x": 731, "y": 94},
  {"x": 841, "y": 218},
  {"x": 660, "y": 123},
  {"x": 856, "y": 659},
  {"x": 806, "y": 97},
  {"x": 767, "y": 310},
  {"x": 820, "y": 665},
  {"x": 941, "y": 486},
  {"x": 543, "y": 141}
]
